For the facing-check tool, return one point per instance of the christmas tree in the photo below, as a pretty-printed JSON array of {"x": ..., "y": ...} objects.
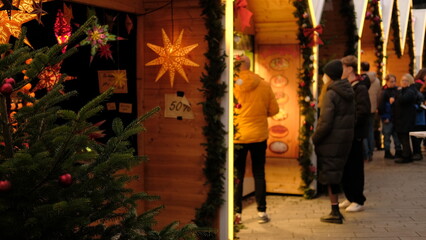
[{"x": 57, "y": 181}]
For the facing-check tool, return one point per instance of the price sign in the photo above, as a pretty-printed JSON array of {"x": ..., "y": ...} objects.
[{"x": 177, "y": 107}]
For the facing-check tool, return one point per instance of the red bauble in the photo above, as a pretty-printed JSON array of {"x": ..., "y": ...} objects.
[
  {"x": 6, "y": 88},
  {"x": 238, "y": 105},
  {"x": 65, "y": 179},
  {"x": 11, "y": 81},
  {"x": 5, "y": 185}
]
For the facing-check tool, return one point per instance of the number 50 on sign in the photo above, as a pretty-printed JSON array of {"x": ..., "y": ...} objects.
[{"x": 176, "y": 107}]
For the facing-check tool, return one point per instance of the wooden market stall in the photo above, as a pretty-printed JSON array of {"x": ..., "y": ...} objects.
[
  {"x": 276, "y": 54},
  {"x": 400, "y": 40},
  {"x": 172, "y": 143}
]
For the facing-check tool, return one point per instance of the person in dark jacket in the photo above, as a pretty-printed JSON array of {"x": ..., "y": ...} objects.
[
  {"x": 405, "y": 115},
  {"x": 353, "y": 174},
  {"x": 386, "y": 100},
  {"x": 420, "y": 125},
  {"x": 333, "y": 134}
]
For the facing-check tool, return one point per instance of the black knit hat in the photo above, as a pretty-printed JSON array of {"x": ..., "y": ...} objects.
[{"x": 334, "y": 69}]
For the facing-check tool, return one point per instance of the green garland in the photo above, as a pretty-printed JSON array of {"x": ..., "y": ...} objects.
[
  {"x": 213, "y": 90},
  {"x": 395, "y": 27},
  {"x": 375, "y": 25},
  {"x": 347, "y": 12},
  {"x": 410, "y": 41},
  {"x": 307, "y": 107}
]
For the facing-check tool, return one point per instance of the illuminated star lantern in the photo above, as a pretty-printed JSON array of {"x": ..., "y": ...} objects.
[
  {"x": 62, "y": 29},
  {"x": 12, "y": 27},
  {"x": 105, "y": 51},
  {"x": 8, "y": 7},
  {"x": 68, "y": 13},
  {"x": 38, "y": 10},
  {"x": 97, "y": 37},
  {"x": 50, "y": 76},
  {"x": 172, "y": 57}
]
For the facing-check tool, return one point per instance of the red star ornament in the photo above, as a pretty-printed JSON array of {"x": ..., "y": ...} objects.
[{"x": 50, "y": 76}]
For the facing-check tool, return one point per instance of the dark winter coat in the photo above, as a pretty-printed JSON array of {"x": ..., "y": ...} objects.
[
  {"x": 405, "y": 110},
  {"x": 334, "y": 132},
  {"x": 362, "y": 109},
  {"x": 385, "y": 107}
]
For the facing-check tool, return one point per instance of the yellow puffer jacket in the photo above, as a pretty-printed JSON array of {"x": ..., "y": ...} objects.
[{"x": 257, "y": 104}]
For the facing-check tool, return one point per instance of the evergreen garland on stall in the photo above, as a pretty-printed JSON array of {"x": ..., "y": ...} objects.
[
  {"x": 348, "y": 13},
  {"x": 213, "y": 90},
  {"x": 395, "y": 27},
  {"x": 307, "y": 106},
  {"x": 410, "y": 42},
  {"x": 376, "y": 26}
]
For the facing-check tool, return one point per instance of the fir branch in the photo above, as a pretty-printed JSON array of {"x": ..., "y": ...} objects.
[
  {"x": 395, "y": 27},
  {"x": 6, "y": 130},
  {"x": 348, "y": 12},
  {"x": 213, "y": 90},
  {"x": 307, "y": 109}
]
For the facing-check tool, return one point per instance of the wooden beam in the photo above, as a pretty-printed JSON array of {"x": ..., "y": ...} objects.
[{"x": 129, "y": 6}]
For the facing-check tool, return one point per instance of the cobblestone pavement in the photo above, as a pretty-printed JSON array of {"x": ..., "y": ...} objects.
[{"x": 395, "y": 209}]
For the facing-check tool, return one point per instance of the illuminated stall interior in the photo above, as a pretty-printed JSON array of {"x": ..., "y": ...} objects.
[{"x": 271, "y": 42}]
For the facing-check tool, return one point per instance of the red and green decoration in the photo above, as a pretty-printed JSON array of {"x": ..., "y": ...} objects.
[
  {"x": 213, "y": 90},
  {"x": 306, "y": 103},
  {"x": 347, "y": 12},
  {"x": 395, "y": 25},
  {"x": 373, "y": 14},
  {"x": 410, "y": 42}
]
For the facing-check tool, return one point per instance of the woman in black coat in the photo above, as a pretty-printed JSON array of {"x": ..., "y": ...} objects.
[
  {"x": 405, "y": 115},
  {"x": 333, "y": 135}
]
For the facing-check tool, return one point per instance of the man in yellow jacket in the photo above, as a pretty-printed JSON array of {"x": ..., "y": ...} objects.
[{"x": 256, "y": 102}]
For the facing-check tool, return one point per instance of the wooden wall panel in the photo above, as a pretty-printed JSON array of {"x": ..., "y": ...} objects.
[
  {"x": 174, "y": 170},
  {"x": 274, "y": 22},
  {"x": 334, "y": 34},
  {"x": 398, "y": 66}
]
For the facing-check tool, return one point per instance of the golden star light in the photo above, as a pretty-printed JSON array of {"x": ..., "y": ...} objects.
[
  {"x": 172, "y": 57},
  {"x": 120, "y": 79},
  {"x": 12, "y": 26}
]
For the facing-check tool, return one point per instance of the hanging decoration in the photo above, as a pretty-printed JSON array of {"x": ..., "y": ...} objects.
[
  {"x": 307, "y": 110},
  {"x": 62, "y": 29},
  {"x": 172, "y": 57},
  {"x": 68, "y": 15},
  {"x": 376, "y": 26},
  {"x": 38, "y": 10},
  {"x": 242, "y": 13},
  {"x": 98, "y": 36},
  {"x": 313, "y": 35},
  {"x": 105, "y": 51},
  {"x": 11, "y": 21},
  {"x": 50, "y": 76},
  {"x": 395, "y": 25},
  {"x": 347, "y": 12},
  {"x": 12, "y": 27},
  {"x": 213, "y": 90},
  {"x": 129, "y": 24},
  {"x": 8, "y": 7}
]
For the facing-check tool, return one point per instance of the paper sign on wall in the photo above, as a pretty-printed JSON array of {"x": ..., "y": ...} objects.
[
  {"x": 110, "y": 106},
  {"x": 125, "y": 107},
  {"x": 113, "y": 78},
  {"x": 177, "y": 106}
]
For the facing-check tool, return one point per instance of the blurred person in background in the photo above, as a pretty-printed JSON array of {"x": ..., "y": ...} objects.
[
  {"x": 405, "y": 115},
  {"x": 386, "y": 103}
]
